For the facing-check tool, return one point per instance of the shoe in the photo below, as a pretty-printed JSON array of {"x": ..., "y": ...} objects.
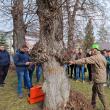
[
  {"x": 90, "y": 82},
  {"x": 94, "y": 107},
  {"x": 83, "y": 81},
  {"x": 104, "y": 85},
  {"x": 108, "y": 86},
  {"x": 25, "y": 87},
  {"x": 28, "y": 94},
  {"x": 20, "y": 96},
  {"x": 70, "y": 76},
  {"x": 1, "y": 85},
  {"x": 45, "y": 108},
  {"x": 77, "y": 81},
  {"x": 31, "y": 86}
]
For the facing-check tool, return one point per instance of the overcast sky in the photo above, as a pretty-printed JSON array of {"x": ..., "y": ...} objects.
[{"x": 7, "y": 25}]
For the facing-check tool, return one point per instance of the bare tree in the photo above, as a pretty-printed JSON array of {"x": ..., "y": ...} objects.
[
  {"x": 18, "y": 24},
  {"x": 71, "y": 21},
  {"x": 48, "y": 51},
  {"x": 23, "y": 15},
  {"x": 77, "y": 11},
  {"x": 103, "y": 34}
]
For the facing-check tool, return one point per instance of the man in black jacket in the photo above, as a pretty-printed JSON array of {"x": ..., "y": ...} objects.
[{"x": 4, "y": 65}]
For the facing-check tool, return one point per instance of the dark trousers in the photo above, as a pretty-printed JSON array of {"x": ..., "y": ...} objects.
[
  {"x": 74, "y": 71},
  {"x": 38, "y": 72},
  {"x": 68, "y": 69},
  {"x": 89, "y": 71},
  {"x": 108, "y": 77},
  {"x": 71, "y": 66},
  {"x": 98, "y": 89},
  {"x": 3, "y": 73}
]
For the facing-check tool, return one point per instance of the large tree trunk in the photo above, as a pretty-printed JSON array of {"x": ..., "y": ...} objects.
[
  {"x": 48, "y": 51},
  {"x": 55, "y": 86},
  {"x": 19, "y": 27}
]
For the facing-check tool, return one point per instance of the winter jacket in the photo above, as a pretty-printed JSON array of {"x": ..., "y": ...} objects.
[
  {"x": 79, "y": 56},
  {"x": 20, "y": 59},
  {"x": 100, "y": 66},
  {"x": 4, "y": 58},
  {"x": 108, "y": 63}
]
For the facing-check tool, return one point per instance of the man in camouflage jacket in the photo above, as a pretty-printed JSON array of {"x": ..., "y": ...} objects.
[{"x": 99, "y": 78}]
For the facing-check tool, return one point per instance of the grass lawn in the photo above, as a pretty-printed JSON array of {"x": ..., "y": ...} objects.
[
  {"x": 10, "y": 101},
  {"x": 8, "y": 96},
  {"x": 86, "y": 89}
]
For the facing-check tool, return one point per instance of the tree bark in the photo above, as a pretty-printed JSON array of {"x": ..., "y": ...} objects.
[
  {"x": 19, "y": 27},
  {"x": 48, "y": 50},
  {"x": 71, "y": 23}
]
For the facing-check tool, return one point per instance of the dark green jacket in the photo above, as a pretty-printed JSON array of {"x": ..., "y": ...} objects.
[{"x": 108, "y": 62}]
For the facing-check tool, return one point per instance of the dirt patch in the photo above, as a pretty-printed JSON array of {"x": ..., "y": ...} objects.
[{"x": 78, "y": 101}]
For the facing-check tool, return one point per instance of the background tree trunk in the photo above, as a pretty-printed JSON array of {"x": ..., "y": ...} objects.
[
  {"x": 71, "y": 23},
  {"x": 48, "y": 50},
  {"x": 19, "y": 27}
]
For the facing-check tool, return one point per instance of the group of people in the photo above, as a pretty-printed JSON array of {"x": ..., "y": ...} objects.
[
  {"x": 24, "y": 68},
  {"x": 97, "y": 63},
  {"x": 106, "y": 54},
  {"x": 77, "y": 71}
]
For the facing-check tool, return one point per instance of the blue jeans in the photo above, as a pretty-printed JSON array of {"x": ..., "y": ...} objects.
[
  {"x": 65, "y": 66},
  {"x": 31, "y": 71},
  {"x": 21, "y": 75},
  {"x": 30, "y": 75},
  {"x": 80, "y": 69},
  {"x": 38, "y": 72}
]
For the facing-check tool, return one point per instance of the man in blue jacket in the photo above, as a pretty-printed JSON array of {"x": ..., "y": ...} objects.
[
  {"x": 22, "y": 61},
  {"x": 4, "y": 64}
]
